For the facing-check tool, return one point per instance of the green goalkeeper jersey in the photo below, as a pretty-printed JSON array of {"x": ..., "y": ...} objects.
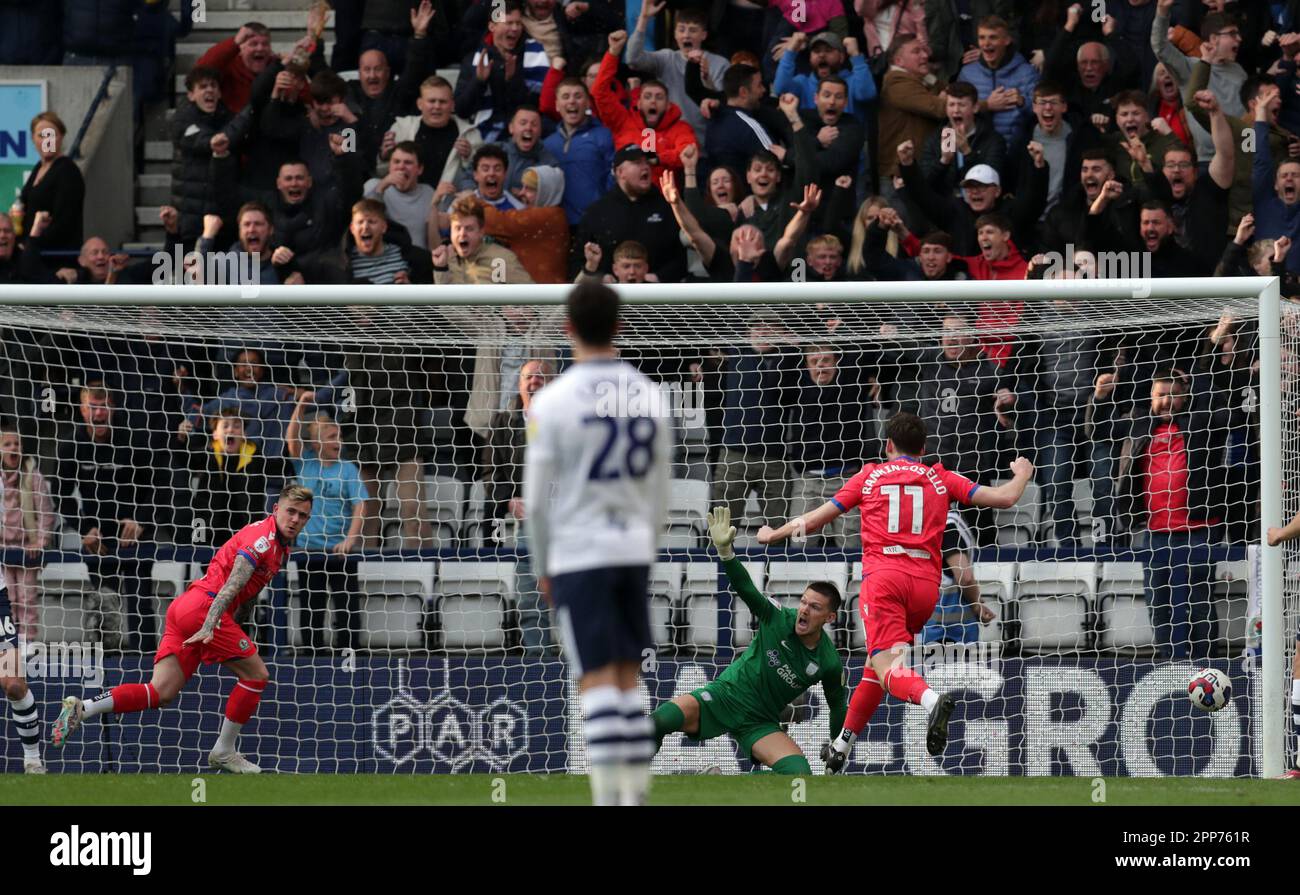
[{"x": 777, "y": 668}]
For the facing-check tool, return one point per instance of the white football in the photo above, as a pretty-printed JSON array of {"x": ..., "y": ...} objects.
[{"x": 1209, "y": 689}]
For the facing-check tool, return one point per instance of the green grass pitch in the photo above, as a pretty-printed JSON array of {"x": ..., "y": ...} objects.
[{"x": 563, "y": 789}]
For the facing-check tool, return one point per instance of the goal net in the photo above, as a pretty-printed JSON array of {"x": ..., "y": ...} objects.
[{"x": 407, "y": 633}]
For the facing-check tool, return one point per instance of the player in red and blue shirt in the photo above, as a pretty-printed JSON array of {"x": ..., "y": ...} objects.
[
  {"x": 201, "y": 627},
  {"x": 904, "y": 504}
]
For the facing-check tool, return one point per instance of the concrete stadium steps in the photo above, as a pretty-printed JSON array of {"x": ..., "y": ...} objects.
[{"x": 287, "y": 20}]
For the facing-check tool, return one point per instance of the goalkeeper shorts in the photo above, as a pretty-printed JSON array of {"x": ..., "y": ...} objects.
[{"x": 719, "y": 715}]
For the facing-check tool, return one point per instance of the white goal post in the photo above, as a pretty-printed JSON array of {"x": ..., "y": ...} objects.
[{"x": 1279, "y": 473}]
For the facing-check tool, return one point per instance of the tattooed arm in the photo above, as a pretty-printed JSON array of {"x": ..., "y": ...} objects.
[{"x": 239, "y": 576}]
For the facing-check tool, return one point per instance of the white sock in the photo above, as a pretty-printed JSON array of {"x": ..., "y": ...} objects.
[
  {"x": 98, "y": 705},
  {"x": 228, "y": 738},
  {"x": 929, "y": 699},
  {"x": 27, "y": 721},
  {"x": 602, "y": 724},
  {"x": 638, "y": 750},
  {"x": 845, "y": 743}
]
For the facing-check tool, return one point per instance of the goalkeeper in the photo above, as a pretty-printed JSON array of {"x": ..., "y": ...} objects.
[{"x": 789, "y": 653}]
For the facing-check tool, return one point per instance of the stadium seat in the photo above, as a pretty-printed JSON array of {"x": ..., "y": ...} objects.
[
  {"x": 1124, "y": 619},
  {"x": 997, "y": 581},
  {"x": 700, "y": 602},
  {"x": 665, "y": 599},
  {"x": 471, "y": 526},
  {"x": 742, "y": 620},
  {"x": 503, "y": 533},
  {"x": 1232, "y": 601},
  {"x": 394, "y": 595},
  {"x": 688, "y": 507},
  {"x": 1018, "y": 526},
  {"x": 63, "y": 587},
  {"x": 1055, "y": 600},
  {"x": 787, "y": 580},
  {"x": 472, "y": 601},
  {"x": 445, "y": 502},
  {"x": 169, "y": 580},
  {"x": 1081, "y": 493}
]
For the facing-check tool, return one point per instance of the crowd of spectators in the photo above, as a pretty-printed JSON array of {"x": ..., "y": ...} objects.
[{"x": 737, "y": 142}]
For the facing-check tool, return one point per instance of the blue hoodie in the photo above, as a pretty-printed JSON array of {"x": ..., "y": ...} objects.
[
  {"x": 862, "y": 87},
  {"x": 1016, "y": 73},
  {"x": 587, "y": 159}
]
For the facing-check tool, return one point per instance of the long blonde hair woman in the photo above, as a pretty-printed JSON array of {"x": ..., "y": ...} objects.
[{"x": 855, "y": 263}]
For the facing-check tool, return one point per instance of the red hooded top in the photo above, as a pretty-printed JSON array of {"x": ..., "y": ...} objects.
[{"x": 671, "y": 135}]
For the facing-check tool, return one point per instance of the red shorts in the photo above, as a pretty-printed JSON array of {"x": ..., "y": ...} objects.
[
  {"x": 186, "y": 615},
  {"x": 895, "y": 607}
]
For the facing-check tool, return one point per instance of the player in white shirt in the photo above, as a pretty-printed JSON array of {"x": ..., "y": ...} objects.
[{"x": 596, "y": 479}]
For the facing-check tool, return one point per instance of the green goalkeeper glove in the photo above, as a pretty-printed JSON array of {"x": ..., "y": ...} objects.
[{"x": 722, "y": 532}]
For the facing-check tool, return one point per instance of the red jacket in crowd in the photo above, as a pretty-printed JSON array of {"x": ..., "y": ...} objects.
[{"x": 672, "y": 134}]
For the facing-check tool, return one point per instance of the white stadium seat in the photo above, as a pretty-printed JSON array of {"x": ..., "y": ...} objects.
[
  {"x": 852, "y": 596},
  {"x": 472, "y": 600},
  {"x": 471, "y": 526},
  {"x": 393, "y": 596},
  {"x": 997, "y": 582},
  {"x": 1054, "y": 600},
  {"x": 63, "y": 586},
  {"x": 1018, "y": 526},
  {"x": 1124, "y": 619},
  {"x": 665, "y": 597},
  {"x": 688, "y": 507},
  {"x": 444, "y": 498},
  {"x": 1232, "y": 600},
  {"x": 700, "y": 600}
]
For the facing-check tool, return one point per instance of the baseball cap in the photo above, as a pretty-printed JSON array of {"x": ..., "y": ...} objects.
[
  {"x": 830, "y": 38},
  {"x": 982, "y": 174},
  {"x": 634, "y": 153}
]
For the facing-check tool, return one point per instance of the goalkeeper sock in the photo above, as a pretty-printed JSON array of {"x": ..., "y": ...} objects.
[
  {"x": 28, "y": 724},
  {"x": 866, "y": 699},
  {"x": 638, "y": 749},
  {"x": 123, "y": 699},
  {"x": 602, "y": 723},
  {"x": 794, "y": 765},
  {"x": 668, "y": 718}
]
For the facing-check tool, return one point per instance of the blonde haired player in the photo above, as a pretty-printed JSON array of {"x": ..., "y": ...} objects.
[
  {"x": 1276, "y": 536},
  {"x": 201, "y": 627}
]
